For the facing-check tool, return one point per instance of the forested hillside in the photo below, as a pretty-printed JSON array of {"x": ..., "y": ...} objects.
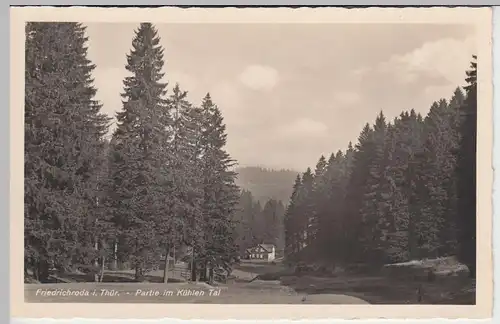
[
  {"x": 259, "y": 223},
  {"x": 260, "y": 217},
  {"x": 266, "y": 183},
  {"x": 406, "y": 190}
]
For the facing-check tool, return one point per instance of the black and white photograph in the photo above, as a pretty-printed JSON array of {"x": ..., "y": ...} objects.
[{"x": 251, "y": 163}]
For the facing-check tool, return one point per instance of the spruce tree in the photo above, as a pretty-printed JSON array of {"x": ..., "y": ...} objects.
[
  {"x": 186, "y": 198},
  {"x": 64, "y": 149},
  {"x": 403, "y": 170},
  {"x": 320, "y": 197},
  {"x": 331, "y": 236},
  {"x": 355, "y": 192},
  {"x": 220, "y": 193},
  {"x": 291, "y": 221},
  {"x": 306, "y": 218},
  {"x": 141, "y": 178},
  {"x": 466, "y": 173},
  {"x": 438, "y": 180},
  {"x": 375, "y": 206},
  {"x": 280, "y": 235}
]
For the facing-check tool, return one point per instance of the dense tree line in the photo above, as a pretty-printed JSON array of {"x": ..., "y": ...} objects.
[
  {"x": 163, "y": 181},
  {"x": 405, "y": 191},
  {"x": 257, "y": 223}
]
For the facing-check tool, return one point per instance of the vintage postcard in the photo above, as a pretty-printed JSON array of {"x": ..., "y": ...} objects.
[{"x": 251, "y": 163}]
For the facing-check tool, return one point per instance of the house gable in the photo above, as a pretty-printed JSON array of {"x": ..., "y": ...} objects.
[{"x": 267, "y": 247}]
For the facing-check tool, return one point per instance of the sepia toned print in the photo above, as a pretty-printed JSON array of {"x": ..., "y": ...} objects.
[{"x": 207, "y": 157}]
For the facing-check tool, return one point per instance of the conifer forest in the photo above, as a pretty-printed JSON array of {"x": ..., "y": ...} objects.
[{"x": 161, "y": 183}]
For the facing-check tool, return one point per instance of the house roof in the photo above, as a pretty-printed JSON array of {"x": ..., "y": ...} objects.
[{"x": 267, "y": 247}]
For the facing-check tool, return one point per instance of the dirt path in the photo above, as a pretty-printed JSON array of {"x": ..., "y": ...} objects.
[{"x": 247, "y": 278}]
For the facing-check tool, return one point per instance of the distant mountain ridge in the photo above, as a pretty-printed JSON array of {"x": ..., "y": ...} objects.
[{"x": 267, "y": 183}]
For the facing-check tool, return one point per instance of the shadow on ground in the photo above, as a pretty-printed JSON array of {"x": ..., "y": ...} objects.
[{"x": 114, "y": 276}]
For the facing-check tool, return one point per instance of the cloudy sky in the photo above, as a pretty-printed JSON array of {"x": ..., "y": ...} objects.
[{"x": 291, "y": 92}]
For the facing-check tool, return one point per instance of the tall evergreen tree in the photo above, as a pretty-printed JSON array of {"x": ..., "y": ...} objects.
[
  {"x": 306, "y": 218},
  {"x": 330, "y": 236},
  {"x": 220, "y": 192},
  {"x": 291, "y": 221},
  {"x": 375, "y": 206},
  {"x": 356, "y": 188},
  {"x": 403, "y": 170},
  {"x": 141, "y": 178},
  {"x": 466, "y": 173},
  {"x": 64, "y": 149},
  {"x": 185, "y": 143},
  {"x": 280, "y": 228},
  {"x": 320, "y": 196}
]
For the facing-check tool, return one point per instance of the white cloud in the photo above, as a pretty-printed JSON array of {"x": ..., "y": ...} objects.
[
  {"x": 259, "y": 77},
  {"x": 446, "y": 58}
]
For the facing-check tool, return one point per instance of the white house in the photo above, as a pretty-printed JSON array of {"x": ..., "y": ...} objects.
[{"x": 262, "y": 252}]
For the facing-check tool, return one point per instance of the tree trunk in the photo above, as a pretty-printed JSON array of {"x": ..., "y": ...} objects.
[
  {"x": 139, "y": 273},
  {"x": 36, "y": 271},
  {"x": 43, "y": 271},
  {"x": 210, "y": 275},
  {"x": 115, "y": 256},
  {"x": 165, "y": 271},
  {"x": 412, "y": 246},
  {"x": 96, "y": 263},
  {"x": 102, "y": 268},
  {"x": 202, "y": 274},
  {"x": 193, "y": 272},
  {"x": 207, "y": 272}
]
